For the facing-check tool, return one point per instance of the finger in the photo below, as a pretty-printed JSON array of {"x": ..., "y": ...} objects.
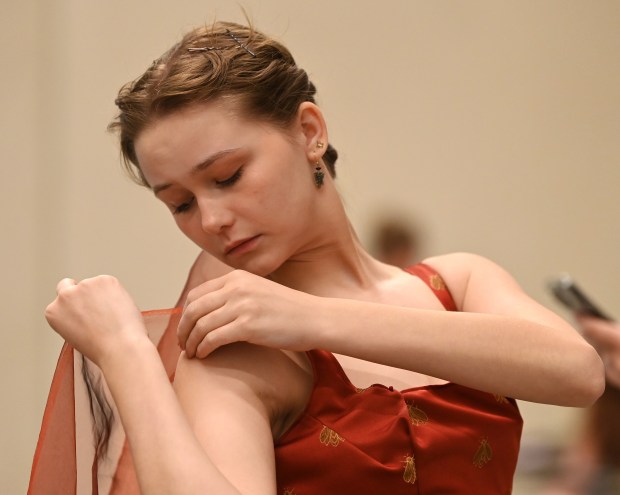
[
  {"x": 195, "y": 310},
  {"x": 204, "y": 326},
  {"x": 601, "y": 332},
  {"x": 217, "y": 338},
  {"x": 205, "y": 288},
  {"x": 64, "y": 284}
]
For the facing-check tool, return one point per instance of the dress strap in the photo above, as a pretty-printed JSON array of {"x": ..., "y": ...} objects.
[{"x": 431, "y": 278}]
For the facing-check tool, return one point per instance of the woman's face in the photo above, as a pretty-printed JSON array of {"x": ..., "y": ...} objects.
[{"x": 241, "y": 189}]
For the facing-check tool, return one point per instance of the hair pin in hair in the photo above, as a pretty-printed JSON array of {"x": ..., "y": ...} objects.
[
  {"x": 203, "y": 49},
  {"x": 211, "y": 48},
  {"x": 241, "y": 45}
]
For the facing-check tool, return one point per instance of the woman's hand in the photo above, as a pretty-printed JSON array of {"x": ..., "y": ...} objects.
[
  {"x": 242, "y": 307},
  {"x": 95, "y": 315}
]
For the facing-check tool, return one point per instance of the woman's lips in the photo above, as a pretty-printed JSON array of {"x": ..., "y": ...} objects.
[{"x": 242, "y": 246}]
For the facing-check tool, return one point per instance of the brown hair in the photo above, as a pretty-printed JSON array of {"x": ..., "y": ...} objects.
[{"x": 224, "y": 60}]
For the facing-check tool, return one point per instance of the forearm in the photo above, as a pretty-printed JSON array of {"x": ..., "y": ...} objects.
[
  {"x": 500, "y": 354},
  {"x": 167, "y": 455}
]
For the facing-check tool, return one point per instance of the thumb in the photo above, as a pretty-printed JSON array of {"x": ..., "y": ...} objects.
[{"x": 65, "y": 283}]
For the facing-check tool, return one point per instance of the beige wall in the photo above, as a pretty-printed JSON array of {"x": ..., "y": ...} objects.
[{"x": 495, "y": 124}]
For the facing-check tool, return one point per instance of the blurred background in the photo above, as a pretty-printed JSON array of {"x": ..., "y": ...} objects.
[{"x": 483, "y": 126}]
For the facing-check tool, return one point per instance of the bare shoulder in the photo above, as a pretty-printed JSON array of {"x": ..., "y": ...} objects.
[
  {"x": 210, "y": 267},
  {"x": 273, "y": 380},
  {"x": 240, "y": 365},
  {"x": 206, "y": 267},
  {"x": 479, "y": 285},
  {"x": 474, "y": 280}
]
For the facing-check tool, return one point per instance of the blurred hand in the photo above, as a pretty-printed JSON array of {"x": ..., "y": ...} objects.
[
  {"x": 96, "y": 316},
  {"x": 242, "y": 307},
  {"x": 605, "y": 337}
]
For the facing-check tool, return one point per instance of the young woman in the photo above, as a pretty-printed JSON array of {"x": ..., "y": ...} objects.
[{"x": 310, "y": 367}]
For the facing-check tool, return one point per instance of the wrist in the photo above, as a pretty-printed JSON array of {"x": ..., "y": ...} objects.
[
  {"x": 126, "y": 350},
  {"x": 328, "y": 320}
]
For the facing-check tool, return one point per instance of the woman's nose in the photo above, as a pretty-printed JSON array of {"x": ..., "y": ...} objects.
[{"x": 214, "y": 216}]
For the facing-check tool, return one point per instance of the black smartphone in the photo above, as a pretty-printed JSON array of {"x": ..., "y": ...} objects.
[{"x": 566, "y": 291}]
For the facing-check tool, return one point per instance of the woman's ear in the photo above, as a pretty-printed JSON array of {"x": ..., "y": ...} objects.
[{"x": 314, "y": 130}]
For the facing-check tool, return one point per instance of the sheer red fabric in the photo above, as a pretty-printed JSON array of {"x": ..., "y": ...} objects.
[{"x": 64, "y": 459}]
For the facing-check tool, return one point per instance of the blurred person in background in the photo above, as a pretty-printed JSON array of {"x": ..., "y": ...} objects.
[
  {"x": 396, "y": 242},
  {"x": 591, "y": 466}
]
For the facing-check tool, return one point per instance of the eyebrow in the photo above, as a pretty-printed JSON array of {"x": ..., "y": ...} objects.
[{"x": 198, "y": 168}]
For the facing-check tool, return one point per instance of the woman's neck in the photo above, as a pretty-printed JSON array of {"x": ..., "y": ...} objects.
[{"x": 339, "y": 268}]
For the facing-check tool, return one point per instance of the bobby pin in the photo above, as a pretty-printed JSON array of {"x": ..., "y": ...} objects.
[
  {"x": 241, "y": 45},
  {"x": 203, "y": 49},
  {"x": 211, "y": 48}
]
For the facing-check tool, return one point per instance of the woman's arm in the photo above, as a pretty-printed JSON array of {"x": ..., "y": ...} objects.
[
  {"x": 246, "y": 392},
  {"x": 501, "y": 341},
  {"x": 99, "y": 319},
  {"x": 174, "y": 454}
]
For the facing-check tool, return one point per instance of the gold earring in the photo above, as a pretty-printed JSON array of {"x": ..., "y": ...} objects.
[{"x": 319, "y": 144}]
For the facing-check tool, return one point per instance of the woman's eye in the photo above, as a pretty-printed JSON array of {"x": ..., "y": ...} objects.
[
  {"x": 230, "y": 180},
  {"x": 183, "y": 207}
]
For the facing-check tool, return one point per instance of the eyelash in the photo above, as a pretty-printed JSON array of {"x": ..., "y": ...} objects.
[
  {"x": 182, "y": 208},
  {"x": 231, "y": 180}
]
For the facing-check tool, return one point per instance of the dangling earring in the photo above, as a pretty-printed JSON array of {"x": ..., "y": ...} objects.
[{"x": 318, "y": 175}]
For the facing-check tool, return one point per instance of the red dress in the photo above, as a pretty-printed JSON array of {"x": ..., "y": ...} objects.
[{"x": 439, "y": 439}]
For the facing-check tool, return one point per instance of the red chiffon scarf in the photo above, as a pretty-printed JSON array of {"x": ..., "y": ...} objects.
[{"x": 64, "y": 461}]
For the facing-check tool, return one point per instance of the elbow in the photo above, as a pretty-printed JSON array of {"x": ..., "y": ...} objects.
[{"x": 589, "y": 383}]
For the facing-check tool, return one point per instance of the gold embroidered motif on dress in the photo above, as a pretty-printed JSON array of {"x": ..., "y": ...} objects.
[
  {"x": 330, "y": 437},
  {"x": 484, "y": 453},
  {"x": 437, "y": 282},
  {"x": 288, "y": 492},
  {"x": 410, "y": 475},
  {"x": 416, "y": 415},
  {"x": 360, "y": 390},
  {"x": 501, "y": 399}
]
